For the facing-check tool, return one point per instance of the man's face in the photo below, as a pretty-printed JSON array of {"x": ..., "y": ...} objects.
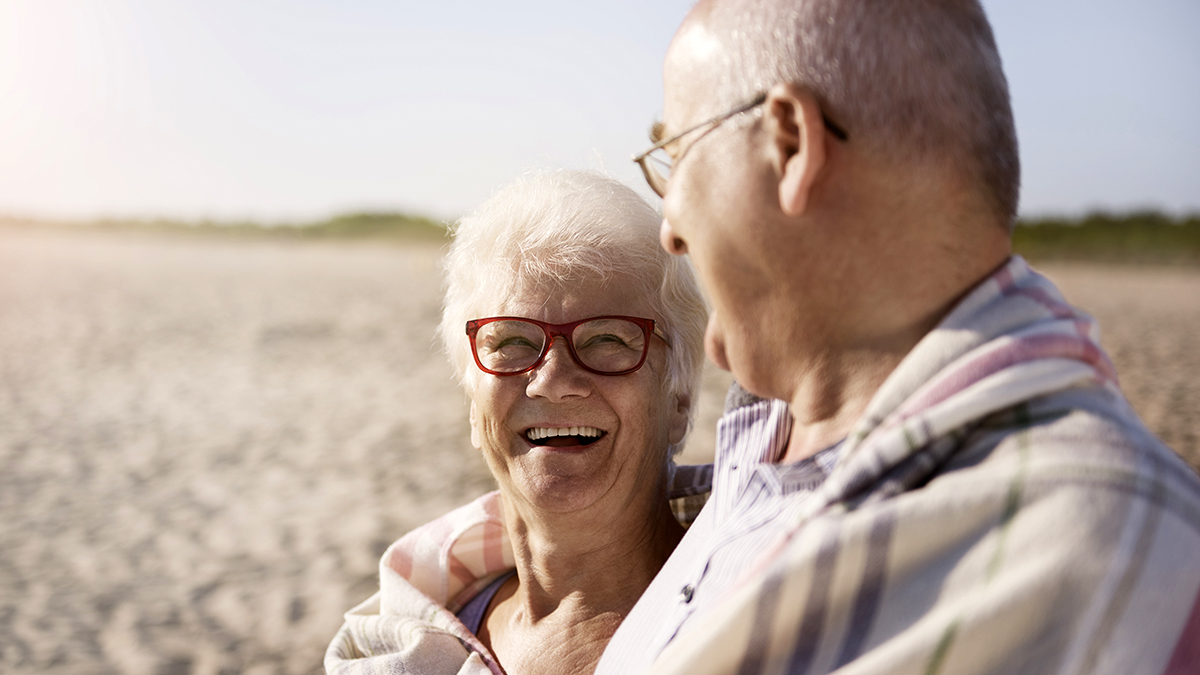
[{"x": 713, "y": 210}]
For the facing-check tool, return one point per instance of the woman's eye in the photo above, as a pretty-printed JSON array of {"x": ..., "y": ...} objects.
[
  {"x": 515, "y": 342},
  {"x": 606, "y": 340}
]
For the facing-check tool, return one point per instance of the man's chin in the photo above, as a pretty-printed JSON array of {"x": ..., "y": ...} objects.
[
  {"x": 750, "y": 375},
  {"x": 714, "y": 343}
]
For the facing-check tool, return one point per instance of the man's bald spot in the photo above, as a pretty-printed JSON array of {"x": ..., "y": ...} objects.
[
  {"x": 912, "y": 81},
  {"x": 694, "y": 59}
]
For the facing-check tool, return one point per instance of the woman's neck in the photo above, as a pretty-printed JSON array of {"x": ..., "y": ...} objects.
[
  {"x": 590, "y": 562},
  {"x": 578, "y": 575}
]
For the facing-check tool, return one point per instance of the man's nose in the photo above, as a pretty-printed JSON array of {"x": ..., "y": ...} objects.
[
  {"x": 558, "y": 377},
  {"x": 670, "y": 243}
]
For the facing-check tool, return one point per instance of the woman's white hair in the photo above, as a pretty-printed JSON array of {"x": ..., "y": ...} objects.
[{"x": 554, "y": 228}]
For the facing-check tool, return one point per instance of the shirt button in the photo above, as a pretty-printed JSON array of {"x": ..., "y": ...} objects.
[{"x": 686, "y": 593}]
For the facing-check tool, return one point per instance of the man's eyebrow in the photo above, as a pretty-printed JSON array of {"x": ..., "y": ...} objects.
[{"x": 656, "y": 132}]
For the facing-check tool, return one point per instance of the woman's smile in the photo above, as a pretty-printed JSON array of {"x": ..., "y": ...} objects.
[{"x": 563, "y": 437}]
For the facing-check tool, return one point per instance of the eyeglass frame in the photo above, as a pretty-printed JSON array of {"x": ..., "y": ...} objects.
[
  {"x": 653, "y": 176},
  {"x": 550, "y": 330}
]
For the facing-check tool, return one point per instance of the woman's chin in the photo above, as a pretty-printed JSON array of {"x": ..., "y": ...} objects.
[{"x": 563, "y": 480}]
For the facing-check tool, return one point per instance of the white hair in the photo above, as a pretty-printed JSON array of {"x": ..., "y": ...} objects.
[
  {"x": 913, "y": 79},
  {"x": 553, "y": 228}
]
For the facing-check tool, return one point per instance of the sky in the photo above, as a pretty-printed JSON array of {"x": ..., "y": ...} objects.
[{"x": 297, "y": 110}]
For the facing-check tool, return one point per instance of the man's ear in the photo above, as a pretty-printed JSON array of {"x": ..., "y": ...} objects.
[
  {"x": 679, "y": 418},
  {"x": 793, "y": 118}
]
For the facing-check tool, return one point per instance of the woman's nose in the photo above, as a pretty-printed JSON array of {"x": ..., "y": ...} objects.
[{"x": 558, "y": 377}]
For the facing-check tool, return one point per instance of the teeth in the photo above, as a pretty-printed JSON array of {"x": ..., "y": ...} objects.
[{"x": 538, "y": 433}]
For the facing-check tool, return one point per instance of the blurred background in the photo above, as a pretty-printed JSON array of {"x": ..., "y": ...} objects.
[
  {"x": 278, "y": 110},
  {"x": 220, "y": 232}
]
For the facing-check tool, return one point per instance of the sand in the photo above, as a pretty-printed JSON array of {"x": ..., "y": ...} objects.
[{"x": 205, "y": 444}]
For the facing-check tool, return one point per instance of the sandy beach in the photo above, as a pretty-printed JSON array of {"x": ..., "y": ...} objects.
[{"x": 205, "y": 443}]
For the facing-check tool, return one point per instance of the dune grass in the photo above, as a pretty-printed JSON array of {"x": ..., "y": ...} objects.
[
  {"x": 1142, "y": 238},
  {"x": 385, "y": 226},
  {"x": 1138, "y": 238}
]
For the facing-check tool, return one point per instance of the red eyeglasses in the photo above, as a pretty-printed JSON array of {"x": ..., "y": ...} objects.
[{"x": 605, "y": 345}]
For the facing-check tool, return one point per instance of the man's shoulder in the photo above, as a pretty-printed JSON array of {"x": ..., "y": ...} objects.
[
  {"x": 1062, "y": 530},
  {"x": 1084, "y": 446},
  {"x": 1083, "y": 426}
]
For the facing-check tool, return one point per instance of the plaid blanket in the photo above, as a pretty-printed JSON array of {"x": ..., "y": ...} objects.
[{"x": 998, "y": 509}]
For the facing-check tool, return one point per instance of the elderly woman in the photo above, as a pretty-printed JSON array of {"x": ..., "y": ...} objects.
[{"x": 578, "y": 341}]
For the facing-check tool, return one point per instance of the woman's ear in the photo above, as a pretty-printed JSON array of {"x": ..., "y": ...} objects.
[
  {"x": 793, "y": 119},
  {"x": 679, "y": 419}
]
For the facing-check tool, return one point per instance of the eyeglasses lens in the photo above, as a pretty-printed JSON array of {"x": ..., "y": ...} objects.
[
  {"x": 603, "y": 345},
  {"x": 657, "y": 167}
]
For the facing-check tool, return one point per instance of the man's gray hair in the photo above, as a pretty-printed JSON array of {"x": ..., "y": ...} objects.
[
  {"x": 554, "y": 228},
  {"x": 912, "y": 79}
]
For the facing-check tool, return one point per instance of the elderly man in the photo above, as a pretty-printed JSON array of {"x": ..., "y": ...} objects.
[{"x": 942, "y": 475}]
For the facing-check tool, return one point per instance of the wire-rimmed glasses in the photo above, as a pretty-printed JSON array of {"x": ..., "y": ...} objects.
[{"x": 656, "y": 164}]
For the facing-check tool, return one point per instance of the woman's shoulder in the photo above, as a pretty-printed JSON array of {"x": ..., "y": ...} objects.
[
  {"x": 688, "y": 489},
  {"x": 445, "y": 555}
]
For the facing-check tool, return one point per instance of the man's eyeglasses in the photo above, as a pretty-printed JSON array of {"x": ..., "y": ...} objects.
[
  {"x": 605, "y": 345},
  {"x": 656, "y": 163}
]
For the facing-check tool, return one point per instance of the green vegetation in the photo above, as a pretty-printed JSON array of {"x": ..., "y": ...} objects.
[
  {"x": 1143, "y": 238},
  {"x": 352, "y": 226},
  {"x": 377, "y": 225},
  {"x": 1138, "y": 238}
]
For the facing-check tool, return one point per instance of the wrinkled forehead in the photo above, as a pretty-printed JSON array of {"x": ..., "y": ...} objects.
[{"x": 566, "y": 295}]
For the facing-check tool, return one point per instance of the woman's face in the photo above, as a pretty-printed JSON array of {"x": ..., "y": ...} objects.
[{"x": 632, "y": 414}]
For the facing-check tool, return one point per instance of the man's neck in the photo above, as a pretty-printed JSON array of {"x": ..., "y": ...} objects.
[
  {"x": 832, "y": 392},
  {"x": 830, "y": 398}
]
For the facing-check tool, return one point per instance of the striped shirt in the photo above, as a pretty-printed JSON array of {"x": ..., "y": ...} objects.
[
  {"x": 999, "y": 508},
  {"x": 754, "y": 498}
]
